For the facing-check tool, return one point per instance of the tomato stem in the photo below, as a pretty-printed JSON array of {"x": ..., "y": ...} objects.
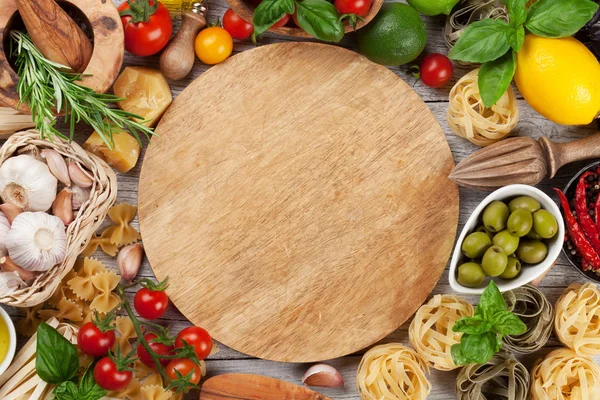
[{"x": 139, "y": 10}]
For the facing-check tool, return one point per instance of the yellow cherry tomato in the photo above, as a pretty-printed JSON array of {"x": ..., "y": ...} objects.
[{"x": 213, "y": 45}]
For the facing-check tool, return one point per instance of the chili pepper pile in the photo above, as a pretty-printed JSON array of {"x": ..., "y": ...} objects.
[{"x": 582, "y": 241}]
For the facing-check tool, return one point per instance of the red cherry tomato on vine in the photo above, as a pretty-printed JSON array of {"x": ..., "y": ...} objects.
[
  {"x": 184, "y": 366},
  {"x": 198, "y": 338},
  {"x": 159, "y": 348},
  {"x": 236, "y": 26},
  {"x": 151, "y": 304},
  {"x": 108, "y": 376},
  {"x": 93, "y": 341},
  {"x": 282, "y": 22},
  {"x": 436, "y": 70},
  {"x": 145, "y": 37},
  {"x": 358, "y": 7}
]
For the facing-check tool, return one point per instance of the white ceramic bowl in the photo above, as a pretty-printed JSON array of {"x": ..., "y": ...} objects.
[
  {"x": 12, "y": 346},
  {"x": 528, "y": 272}
]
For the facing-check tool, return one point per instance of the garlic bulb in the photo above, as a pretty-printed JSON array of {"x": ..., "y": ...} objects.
[
  {"x": 27, "y": 183},
  {"x": 37, "y": 241},
  {"x": 9, "y": 282},
  {"x": 4, "y": 228}
]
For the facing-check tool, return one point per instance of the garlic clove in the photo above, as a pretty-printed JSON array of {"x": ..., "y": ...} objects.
[
  {"x": 8, "y": 265},
  {"x": 78, "y": 175},
  {"x": 37, "y": 241},
  {"x": 32, "y": 151},
  {"x": 57, "y": 165},
  {"x": 4, "y": 229},
  {"x": 323, "y": 375},
  {"x": 129, "y": 261},
  {"x": 63, "y": 206},
  {"x": 11, "y": 211},
  {"x": 80, "y": 196},
  {"x": 27, "y": 183},
  {"x": 10, "y": 281}
]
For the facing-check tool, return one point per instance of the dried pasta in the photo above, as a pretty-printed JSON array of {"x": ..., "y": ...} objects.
[
  {"x": 102, "y": 241},
  {"x": 431, "y": 333},
  {"x": 105, "y": 283},
  {"x": 28, "y": 325},
  {"x": 564, "y": 375},
  {"x": 123, "y": 233},
  {"x": 470, "y": 119},
  {"x": 392, "y": 372},
  {"x": 133, "y": 391},
  {"x": 67, "y": 311},
  {"x": 529, "y": 304},
  {"x": 82, "y": 285},
  {"x": 503, "y": 377},
  {"x": 126, "y": 332},
  {"x": 155, "y": 392},
  {"x": 577, "y": 319}
]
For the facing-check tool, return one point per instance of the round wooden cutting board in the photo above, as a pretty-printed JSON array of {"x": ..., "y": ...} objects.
[{"x": 298, "y": 199}]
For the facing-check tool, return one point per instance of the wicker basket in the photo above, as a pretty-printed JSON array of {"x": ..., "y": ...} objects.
[{"x": 89, "y": 217}]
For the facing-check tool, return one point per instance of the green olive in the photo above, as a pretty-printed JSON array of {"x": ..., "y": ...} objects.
[
  {"x": 520, "y": 222},
  {"x": 470, "y": 274},
  {"x": 544, "y": 224},
  {"x": 507, "y": 241},
  {"x": 531, "y": 251},
  {"x": 476, "y": 244},
  {"x": 526, "y": 202},
  {"x": 495, "y": 216},
  {"x": 513, "y": 268},
  {"x": 481, "y": 228},
  {"x": 494, "y": 261},
  {"x": 533, "y": 235}
]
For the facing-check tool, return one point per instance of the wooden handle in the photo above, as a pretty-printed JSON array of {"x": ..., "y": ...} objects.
[
  {"x": 560, "y": 154},
  {"x": 55, "y": 34},
  {"x": 177, "y": 59}
]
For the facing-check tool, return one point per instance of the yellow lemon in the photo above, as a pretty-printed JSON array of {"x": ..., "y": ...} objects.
[{"x": 560, "y": 79}]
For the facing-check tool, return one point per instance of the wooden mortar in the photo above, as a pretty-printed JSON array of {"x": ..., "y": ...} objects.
[{"x": 107, "y": 56}]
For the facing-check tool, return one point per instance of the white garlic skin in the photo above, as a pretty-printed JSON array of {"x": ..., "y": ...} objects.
[
  {"x": 4, "y": 228},
  {"x": 9, "y": 282},
  {"x": 37, "y": 241},
  {"x": 27, "y": 183}
]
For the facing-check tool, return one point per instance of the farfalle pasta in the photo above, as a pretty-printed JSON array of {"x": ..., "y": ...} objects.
[
  {"x": 133, "y": 391},
  {"x": 28, "y": 325},
  {"x": 564, "y": 375},
  {"x": 392, "y": 372},
  {"x": 67, "y": 310},
  {"x": 577, "y": 319},
  {"x": 430, "y": 332},
  {"x": 102, "y": 241},
  {"x": 155, "y": 392},
  {"x": 123, "y": 233},
  {"x": 82, "y": 285},
  {"x": 125, "y": 332},
  {"x": 105, "y": 283}
]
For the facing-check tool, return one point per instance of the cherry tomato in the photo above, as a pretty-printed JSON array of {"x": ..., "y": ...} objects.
[
  {"x": 357, "y": 7},
  {"x": 158, "y": 348},
  {"x": 436, "y": 70},
  {"x": 145, "y": 37},
  {"x": 198, "y": 338},
  {"x": 184, "y": 366},
  {"x": 213, "y": 45},
  {"x": 282, "y": 22},
  {"x": 93, "y": 341},
  {"x": 236, "y": 26},
  {"x": 109, "y": 377},
  {"x": 151, "y": 304}
]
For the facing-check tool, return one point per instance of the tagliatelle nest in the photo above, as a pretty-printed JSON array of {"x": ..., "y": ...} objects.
[
  {"x": 564, "y": 375},
  {"x": 469, "y": 118},
  {"x": 577, "y": 319},
  {"x": 392, "y": 372},
  {"x": 431, "y": 333}
]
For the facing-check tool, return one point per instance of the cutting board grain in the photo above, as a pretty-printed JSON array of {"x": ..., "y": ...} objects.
[{"x": 297, "y": 197}]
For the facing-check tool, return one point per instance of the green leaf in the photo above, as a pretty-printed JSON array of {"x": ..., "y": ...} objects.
[
  {"x": 517, "y": 11},
  {"x": 517, "y": 38},
  {"x": 320, "y": 19},
  {"x": 87, "y": 389},
  {"x": 482, "y": 41},
  {"x": 554, "y": 19},
  {"x": 507, "y": 323},
  {"x": 491, "y": 300},
  {"x": 66, "y": 391},
  {"x": 56, "y": 359},
  {"x": 474, "y": 349},
  {"x": 494, "y": 79},
  {"x": 472, "y": 325},
  {"x": 269, "y": 12}
]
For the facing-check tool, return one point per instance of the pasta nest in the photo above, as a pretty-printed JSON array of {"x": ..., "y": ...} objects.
[
  {"x": 431, "y": 334},
  {"x": 564, "y": 375},
  {"x": 577, "y": 319},
  {"x": 392, "y": 372},
  {"x": 469, "y": 118}
]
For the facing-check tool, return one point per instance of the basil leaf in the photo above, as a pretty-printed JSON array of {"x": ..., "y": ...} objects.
[
  {"x": 517, "y": 39},
  {"x": 554, "y": 19},
  {"x": 87, "y": 389},
  {"x": 474, "y": 349},
  {"x": 491, "y": 300},
  {"x": 56, "y": 359},
  {"x": 494, "y": 79},
  {"x": 66, "y": 391},
  {"x": 458, "y": 357},
  {"x": 320, "y": 19},
  {"x": 269, "y": 12},
  {"x": 472, "y": 325},
  {"x": 507, "y": 323},
  {"x": 482, "y": 41},
  {"x": 517, "y": 11}
]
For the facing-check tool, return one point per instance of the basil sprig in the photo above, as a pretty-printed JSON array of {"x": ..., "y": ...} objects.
[
  {"x": 483, "y": 333},
  {"x": 319, "y": 18},
  {"x": 494, "y": 43},
  {"x": 87, "y": 389}
]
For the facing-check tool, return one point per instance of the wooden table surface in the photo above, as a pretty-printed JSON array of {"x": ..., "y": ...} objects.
[{"x": 531, "y": 124}]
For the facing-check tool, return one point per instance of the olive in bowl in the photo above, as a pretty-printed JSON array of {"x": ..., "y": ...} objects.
[{"x": 513, "y": 237}]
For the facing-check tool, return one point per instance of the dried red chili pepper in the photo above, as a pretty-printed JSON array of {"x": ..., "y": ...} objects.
[
  {"x": 597, "y": 212},
  {"x": 576, "y": 233},
  {"x": 587, "y": 223}
]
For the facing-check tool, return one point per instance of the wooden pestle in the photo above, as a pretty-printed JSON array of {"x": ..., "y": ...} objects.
[{"x": 55, "y": 34}]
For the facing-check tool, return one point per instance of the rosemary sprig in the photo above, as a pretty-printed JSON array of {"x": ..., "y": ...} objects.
[{"x": 45, "y": 85}]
